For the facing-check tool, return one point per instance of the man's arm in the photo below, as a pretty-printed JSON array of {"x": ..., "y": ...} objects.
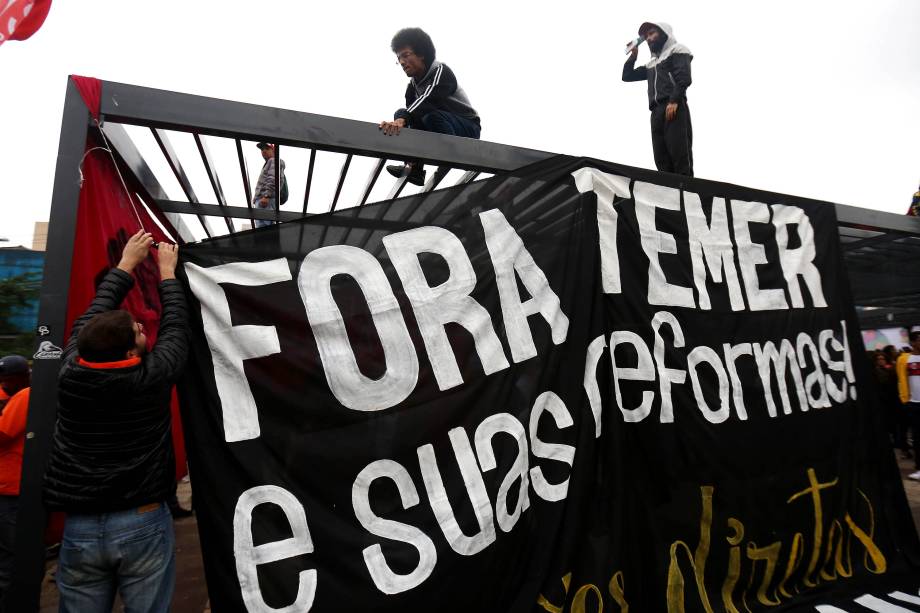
[
  {"x": 680, "y": 77},
  {"x": 267, "y": 187},
  {"x": 167, "y": 357},
  {"x": 443, "y": 84},
  {"x": 114, "y": 286},
  {"x": 680, "y": 74},
  {"x": 630, "y": 72},
  {"x": 391, "y": 128},
  {"x": 13, "y": 418}
]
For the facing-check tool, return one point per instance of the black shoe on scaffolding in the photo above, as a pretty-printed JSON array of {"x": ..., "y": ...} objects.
[{"x": 416, "y": 173}]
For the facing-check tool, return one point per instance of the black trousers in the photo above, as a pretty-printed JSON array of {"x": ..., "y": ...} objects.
[{"x": 672, "y": 141}]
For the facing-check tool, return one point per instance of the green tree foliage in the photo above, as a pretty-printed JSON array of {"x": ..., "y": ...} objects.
[
  {"x": 16, "y": 292},
  {"x": 19, "y": 344}
]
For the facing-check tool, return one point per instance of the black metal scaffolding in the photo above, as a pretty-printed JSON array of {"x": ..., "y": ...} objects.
[{"x": 881, "y": 249}]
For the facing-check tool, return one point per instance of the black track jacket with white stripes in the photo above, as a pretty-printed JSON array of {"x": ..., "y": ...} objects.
[{"x": 436, "y": 91}]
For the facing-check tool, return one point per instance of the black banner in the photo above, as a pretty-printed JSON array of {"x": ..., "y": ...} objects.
[{"x": 582, "y": 387}]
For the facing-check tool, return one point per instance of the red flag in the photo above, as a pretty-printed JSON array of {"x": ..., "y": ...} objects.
[{"x": 19, "y": 19}]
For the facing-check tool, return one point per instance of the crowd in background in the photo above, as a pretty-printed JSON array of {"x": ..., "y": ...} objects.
[{"x": 897, "y": 377}]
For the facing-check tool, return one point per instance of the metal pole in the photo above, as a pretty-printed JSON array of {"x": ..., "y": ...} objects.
[{"x": 29, "y": 561}]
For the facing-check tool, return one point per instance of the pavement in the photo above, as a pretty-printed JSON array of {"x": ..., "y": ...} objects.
[{"x": 191, "y": 594}]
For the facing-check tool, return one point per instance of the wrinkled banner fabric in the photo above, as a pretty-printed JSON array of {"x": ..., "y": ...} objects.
[{"x": 581, "y": 387}]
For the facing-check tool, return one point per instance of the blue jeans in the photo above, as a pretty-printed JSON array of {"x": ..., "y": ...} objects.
[
  {"x": 443, "y": 122},
  {"x": 132, "y": 551},
  {"x": 272, "y": 205}
]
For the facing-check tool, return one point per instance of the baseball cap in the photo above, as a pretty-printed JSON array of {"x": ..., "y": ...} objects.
[
  {"x": 264, "y": 145},
  {"x": 13, "y": 365}
]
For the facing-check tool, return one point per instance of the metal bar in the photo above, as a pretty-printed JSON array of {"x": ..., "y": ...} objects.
[
  {"x": 212, "y": 177},
  {"x": 467, "y": 177},
  {"x": 230, "y": 212},
  {"x": 858, "y": 217},
  {"x": 338, "y": 188},
  {"x": 244, "y": 171},
  {"x": 278, "y": 172},
  {"x": 436, "y": 177},
  {"x": 335, "y": 199},
  {"x": 172, "y": 110},
  {"x": 371, "y": 180},
  {"x": 172, "y": 159},
  {"x": 871, "y": 241},
  {"x": 368, "y": 187},
  {"x": 154, "y": 107},
  {"x": 29, "y": 552},
  {"x": 239, "y": 212},
  {"x": 398, "y": 186},
  {"x": 306, "y": 195},
  {"x": 143, "y": 178},
  {"x": 162, "y": 139}
]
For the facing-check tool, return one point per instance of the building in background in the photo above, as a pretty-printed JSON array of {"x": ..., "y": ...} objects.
[{"x": 40, "y": 236}]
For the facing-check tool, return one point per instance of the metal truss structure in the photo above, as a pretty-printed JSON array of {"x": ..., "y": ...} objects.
[{"x": 881, "y": 249}]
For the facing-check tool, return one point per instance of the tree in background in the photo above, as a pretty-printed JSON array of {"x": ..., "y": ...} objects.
[{"x": 15, "y": 293}]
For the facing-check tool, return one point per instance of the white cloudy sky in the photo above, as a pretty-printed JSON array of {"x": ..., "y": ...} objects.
[{"x": 809, "y": 97}]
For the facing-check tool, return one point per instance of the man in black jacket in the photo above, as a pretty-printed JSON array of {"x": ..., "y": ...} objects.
[
  {"x": 668, "y": 76},
  {"x": 434, "y": 100},
  {"x": 112, "y": 467}
]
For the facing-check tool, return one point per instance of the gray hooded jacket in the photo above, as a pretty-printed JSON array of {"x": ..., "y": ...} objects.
[{"x": 667, "y": 73}]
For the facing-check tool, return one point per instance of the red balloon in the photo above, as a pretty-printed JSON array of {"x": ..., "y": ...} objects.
[{"x": 20, "y": 19}]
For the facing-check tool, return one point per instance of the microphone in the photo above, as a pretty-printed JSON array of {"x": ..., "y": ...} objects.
[{"x": 633, "y": 44}]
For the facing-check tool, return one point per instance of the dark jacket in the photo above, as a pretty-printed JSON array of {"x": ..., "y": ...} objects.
[
  {"x": 436, "y": 91},
  {"x": 667, "y": 81},
  {"x": 668, "y": 72},
  {"x": 112, "y": 446}
]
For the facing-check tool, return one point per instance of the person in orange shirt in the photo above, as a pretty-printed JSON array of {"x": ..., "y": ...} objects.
[
  {"x": 14, "y": 383},
  {"x": 4, "y": 398}
]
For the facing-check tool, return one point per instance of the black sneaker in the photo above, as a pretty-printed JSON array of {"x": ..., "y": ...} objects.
[{"x": 416, "y": 173}]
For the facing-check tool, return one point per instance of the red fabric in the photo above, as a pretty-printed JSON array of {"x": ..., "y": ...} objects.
[
  {"x": 105, "y": 220},
  {"x": 12, "y": 440},
  {"x": 20, "y": 19},
  {"x": 91, "y": 91}
]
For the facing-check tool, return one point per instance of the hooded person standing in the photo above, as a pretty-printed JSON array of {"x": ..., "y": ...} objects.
[{"x": 668, "y": 76}]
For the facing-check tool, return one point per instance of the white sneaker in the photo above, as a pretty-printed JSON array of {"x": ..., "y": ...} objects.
[{"x": 915, "y": 476}]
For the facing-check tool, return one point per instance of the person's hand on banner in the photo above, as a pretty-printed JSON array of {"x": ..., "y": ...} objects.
[
  {"x": 135, "y": 251},
  {"x": 168, "y": 256},
  {"x": 670, "y": 111}
]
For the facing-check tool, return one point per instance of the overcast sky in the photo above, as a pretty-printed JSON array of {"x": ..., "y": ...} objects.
[{"x": 813, "y": 98}]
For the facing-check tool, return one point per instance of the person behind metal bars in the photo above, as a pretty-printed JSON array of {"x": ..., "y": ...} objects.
[{"x": 264, "y": 196}]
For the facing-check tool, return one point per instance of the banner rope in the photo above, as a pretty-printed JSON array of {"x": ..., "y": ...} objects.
[{"x": 124, "y": 185}]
